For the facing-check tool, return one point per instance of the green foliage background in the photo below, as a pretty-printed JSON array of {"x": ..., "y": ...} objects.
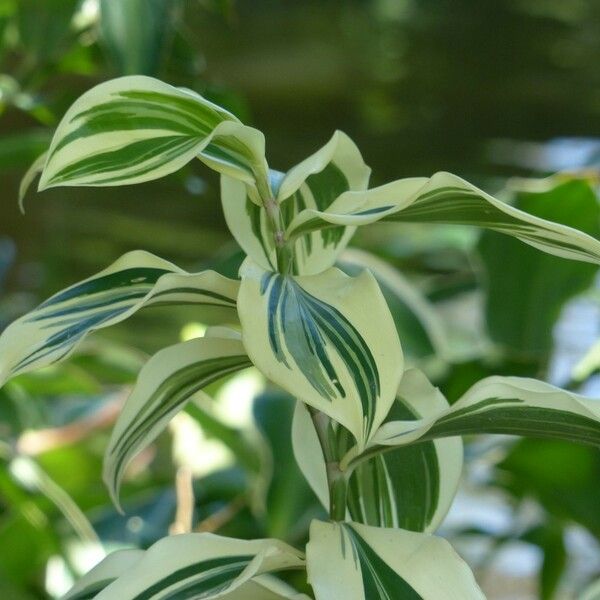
[{"x": 486, "y": 89}]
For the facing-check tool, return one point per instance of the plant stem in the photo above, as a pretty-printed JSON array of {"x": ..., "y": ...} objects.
[
  {"x": 337, "y": 481},
  {"x": 284, "y": 257}
]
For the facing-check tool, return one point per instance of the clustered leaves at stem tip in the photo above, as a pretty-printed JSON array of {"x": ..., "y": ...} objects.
[{"x": 378, "y": 443}]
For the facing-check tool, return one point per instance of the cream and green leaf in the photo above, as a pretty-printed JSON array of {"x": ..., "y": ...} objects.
[
  {"x": 265, "y": 587},
  {"x": 329, "y": 339},
  {"x": 324, "y": 336},
  {"x": 103, "y": 574},
  {"x": 248, "y": 222},
  {"x": 503, "y": 405},
  {"x": 165, "y": 384},
  {"x": 193, "y": 565},
  {"x": 358, "y": 562},
  {"x": 138, "y": 279},
  {"x": 314, "y": 183},
  {"x": 410, "y": 488},
  {"x": 136, "y": 128},
  {"x": 446, "y": 198}
]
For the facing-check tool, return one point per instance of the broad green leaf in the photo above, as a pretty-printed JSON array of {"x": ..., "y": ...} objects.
[
  {"x": 103, "y": 574},
  {"x": 52, "y": 331},
  {"x": 328, "y": 339},
  {"x": 521, "y": 309},
  {"x": 411, "y": 487},
  {"x": 136, "y": 128},
  {"x": 507, "y": 405},
  {"x": 165, "y": 384},
  {"x": 446, "y": 198},
  {"x": 358, "y": 562},
  {"x": 135, "y": 33},
  {"x": 560, "y": 476},
  {"x": 421, "y": 329},
  {"x": 200, "y": 565},
  {"x": 314, "y": 183},
  {"x": 45, "y": 29}
]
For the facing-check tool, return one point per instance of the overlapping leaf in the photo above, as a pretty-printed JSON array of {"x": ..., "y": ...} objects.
[
  {"x": 329, "y": 339},
  {"x": 446, "y": 198},
  {"x": 137, "y": 128},
  {"x": 349, "y": 560},
  {"x": 164, "y": 385},
  {"x": 411, "y": 487},
  {"x": 51, "y": 331},
  {"x": 507, "y": 405},
  {"x": 194, "y": 565},
  {"x": 103, "y": 574},
  {"x": 421, "y": 329},
  {"x": 314, "y": 183}
]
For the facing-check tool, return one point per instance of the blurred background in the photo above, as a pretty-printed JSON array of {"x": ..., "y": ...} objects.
[{"x": 501, "y": 92}]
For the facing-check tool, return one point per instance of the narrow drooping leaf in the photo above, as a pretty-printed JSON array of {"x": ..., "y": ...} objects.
[
  {"x": 446, "y": 198},
  {"x": 200, "y": 565},
  {"x": 507, "y": 405},
  {"x": 410, "y": 488},
  {"x": 349, "y": 560},
  {"x": 314, "y": 183},
  {"x": 328, "y": 339},
  {"x": 164, "y": 386},
  {"x": 52, "y": 331},
  {"x": 103, "y": 574},
  {"x": 136, "y": 128}
]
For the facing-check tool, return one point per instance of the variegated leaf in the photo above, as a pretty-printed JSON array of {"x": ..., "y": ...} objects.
[
  {"x": 329, "y": 339},
  {"x": 51, "y": 332},
  {"x": 411, "y": 487},
  {"x": 201, "y": 565},
  {"x": 265, "y": 587},
  {"x": 421, "y": 329},
  {"x": 314, "y": 183},
  {"x": 248, "y": 222},
  {"x": 358, "y": 562},
  {"x": 137, "y": 128},
  {"x": 505, "y": 405},
  {"x": 103, "y": 574},
  {"x": 164, "y": 385},
  {"x": 446, "y": 198}
]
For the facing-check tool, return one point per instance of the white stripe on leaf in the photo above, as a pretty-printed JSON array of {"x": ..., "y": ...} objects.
[
  {"x": 165, "y": 384},
  {"x": 411, "y": 487},
  {"x": 136, "y": 128},
  {"x": 200, "y": 565},
  {"x": 53, "y": 330},
  {"x": 349, "y": 560},
  {"x": 502, "y": 405},
  {"x": 329, "y": 339},
  {"x": 446, "y": 198}
]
